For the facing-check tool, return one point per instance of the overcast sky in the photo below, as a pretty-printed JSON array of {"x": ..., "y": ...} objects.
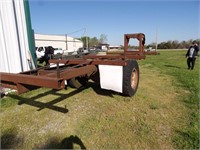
[{"x": 173, "y": 20}]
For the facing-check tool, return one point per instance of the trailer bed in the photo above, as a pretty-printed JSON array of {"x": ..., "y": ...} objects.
[{"x": 62, "y": 70}]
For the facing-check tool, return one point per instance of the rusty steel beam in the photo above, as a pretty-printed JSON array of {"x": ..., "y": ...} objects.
[
  {"x": 21, "y": 88},
  {"x": 46, "y": 78},
  {"x": 54, "y": 77},
  {"x": 33, "y": 80},
  {"x": 114, "y": 56},
  {"x": 134, "y": 52},
  {"x": 34, "y": 71},
  {"x": 76, "y": 72},
  {"x": 44, "y": 72},
  {"x": 128, "y": 55},
  {"x": 116, "y": 62},
  {"x": 139, "y": 36},
  {"x": 135, "y": 57},
  {"x": 8, "y": 84},
  {"x": 71, "y": 72},
  {"x": 136, "y": 35},
  {"x": 58, "y": 69}
]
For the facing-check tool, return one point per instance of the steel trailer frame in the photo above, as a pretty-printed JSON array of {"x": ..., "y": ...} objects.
[{"x": 55, "y": 77}]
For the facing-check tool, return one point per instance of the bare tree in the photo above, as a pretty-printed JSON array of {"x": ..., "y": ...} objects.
[{"x": 103, "y": 39}]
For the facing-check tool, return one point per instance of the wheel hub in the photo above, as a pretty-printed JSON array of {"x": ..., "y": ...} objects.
[{"x": 134, "y": 79}]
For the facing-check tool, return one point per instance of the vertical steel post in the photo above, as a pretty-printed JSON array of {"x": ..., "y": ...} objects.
[{"x": 58, "y": 70}]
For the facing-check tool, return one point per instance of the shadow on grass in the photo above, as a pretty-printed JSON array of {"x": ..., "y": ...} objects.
[
  {"x": 71, "y": 142},
  {"x": 33, "y": 101},
  {"x": 100, "y": 91},
  {"x": 172, "y": 66},
  {"x": 11, "y": 140}
]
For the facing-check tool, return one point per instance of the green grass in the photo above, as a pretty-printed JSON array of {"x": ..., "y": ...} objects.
[
  {"x": 173, "y": 63},
  {"x": 162, "y": 115}
]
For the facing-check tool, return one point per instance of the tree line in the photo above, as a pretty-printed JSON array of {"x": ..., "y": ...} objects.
[
  {"x": 93, "y": 41},
  {"x": 173, "y": 44}
]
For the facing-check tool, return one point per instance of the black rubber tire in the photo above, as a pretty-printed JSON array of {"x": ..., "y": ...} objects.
[
  {"x": 77, "y": 82},
  {"x": 130, "y": 72},
  {"x": 96, "y": 77}
]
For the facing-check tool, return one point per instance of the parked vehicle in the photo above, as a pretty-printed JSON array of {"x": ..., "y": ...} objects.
[
  {"x": 83, "y": 50},
  {"x": 40, "y": 51},
  {"x": 58, "y": 51},
  {"x": 150, "y": 49}
]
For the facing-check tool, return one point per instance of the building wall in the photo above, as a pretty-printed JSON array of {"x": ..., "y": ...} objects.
[
  {"x": 15, "y": 54},
  {"x": 58, "y": 41}
]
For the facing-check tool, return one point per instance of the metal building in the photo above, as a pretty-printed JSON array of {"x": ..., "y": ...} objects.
[
  {"x": 17, "y": 52},
  {"x": 65, "y": 42}
]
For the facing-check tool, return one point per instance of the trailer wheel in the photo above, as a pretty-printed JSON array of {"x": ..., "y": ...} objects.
[
  {"x": 77, "y": 82},
  {"x": 96, "y": 78},
  {"x": 130, "y": 78}
]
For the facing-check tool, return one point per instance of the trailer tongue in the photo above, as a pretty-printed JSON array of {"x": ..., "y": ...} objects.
[{"x": 117, "y": 71}]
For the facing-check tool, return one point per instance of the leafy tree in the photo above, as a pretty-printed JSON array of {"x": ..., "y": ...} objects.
[
  {"x": 176, "y": 44},
  {"x": 153, "y": 45},
  {"x": 85, "y": 39},
  {"x": 93, "y": 42}
]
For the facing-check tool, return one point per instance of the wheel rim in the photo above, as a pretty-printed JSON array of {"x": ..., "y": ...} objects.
[{"x": 134, "y": 79}]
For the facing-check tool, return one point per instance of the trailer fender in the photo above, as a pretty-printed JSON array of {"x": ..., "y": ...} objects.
[
  {"x": 111, "y": 77},
  {"x": 123, "y": 79}
]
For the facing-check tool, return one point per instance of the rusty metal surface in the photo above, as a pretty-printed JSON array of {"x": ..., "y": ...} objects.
[
  {"x": 32, "y": 80},
  {"x": 139, "y": 36},
  {"x": 7, "y": 84},
  {"x": 135, "y": 57},
  {"x": 70, "y": 72},
  {"x": 117, "y": 62},
  {"x": 45, "y": 78},
  {"x": 76, "y": 72},
  {"x": 110, "y": 56},
  {"x": 137, "y": 54},
  {"x": 78, "y": 67}
]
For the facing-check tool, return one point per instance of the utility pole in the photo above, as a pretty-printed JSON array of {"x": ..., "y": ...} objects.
[
  {"x": 156, "y": 39},
  {"x": 86, "y": 38},
  {"x": 66, "y": 42}
]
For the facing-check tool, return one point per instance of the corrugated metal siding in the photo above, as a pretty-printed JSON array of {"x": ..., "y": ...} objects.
[{"x": 14, "y": 49}]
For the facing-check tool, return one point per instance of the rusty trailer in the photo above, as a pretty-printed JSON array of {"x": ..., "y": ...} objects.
[{"x": 113, "y": 71}]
